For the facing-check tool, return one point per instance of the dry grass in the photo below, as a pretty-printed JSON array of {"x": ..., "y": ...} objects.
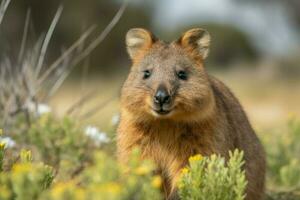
[{"x": 26, "y": 81}]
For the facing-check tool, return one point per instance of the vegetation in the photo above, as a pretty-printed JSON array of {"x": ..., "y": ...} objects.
[
  {"x": 211, "y": 178},
  {"x": 283, "y": 159},
  {"x": 62, "y": 161},
  {"x": 70, "y": 175},
  {"x": 74, "y": 169}
]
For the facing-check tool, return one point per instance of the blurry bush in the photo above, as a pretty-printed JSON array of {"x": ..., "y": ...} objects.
[
  {"x": 104, "y": 179},
  {"x": 80, "y": 166},
  {"x": 283, "y": 158},
  {"x": 77, "y": 169},
  {"x": 54, "y": 141},
  {"x": 25, "y": 180}
]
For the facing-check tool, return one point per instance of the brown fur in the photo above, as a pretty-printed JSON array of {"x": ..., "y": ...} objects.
[{"x": 207, "y": 118}]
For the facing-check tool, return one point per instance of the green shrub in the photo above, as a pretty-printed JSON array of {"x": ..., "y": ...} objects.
[
  {"x": 25, "y": 180},
  {"x": 210, "y": 178},
  {"x": 283, "y": 157},
  {"x": 59, "y": 143},
  {"x": 81, "y": 171},
  {"x": 103, "y": 179},
  {"x": 106, "y": 179},
  {"x": 76, "y": 168}
]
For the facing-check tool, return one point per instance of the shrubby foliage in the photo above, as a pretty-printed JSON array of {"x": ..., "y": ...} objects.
[
  {"x": 25, "y": 180},
  {"x": 59, "y": 143},
  {"x": 102, "y": 180},
  {"x": 105, "y": 179},
  {"x": 284, "y": 159},
  {"x": 210, "y": 178},
  {"x": 63, "y": 162},
  {"x": 76, "y": 169}
]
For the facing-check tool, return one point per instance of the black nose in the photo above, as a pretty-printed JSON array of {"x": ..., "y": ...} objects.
[{"x": 162, "y": 96}]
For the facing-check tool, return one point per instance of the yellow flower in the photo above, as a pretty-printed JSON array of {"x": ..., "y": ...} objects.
[
  {"x": 113, "y": 187},
  {"x": 195, "y": 158},
  {"x": 185, "y": 171},
  {"x": 156, "y": 181},
  {"x": 61, "y": 188},
  {"x": 80, "y": 194},
  {"x": 142, "y": 170},
  {"x": 25, "y": 155},
  {"x": 22, "y": 168},
  {"x": 2, "y": 146},
  {"x": 110, "y": 188}
]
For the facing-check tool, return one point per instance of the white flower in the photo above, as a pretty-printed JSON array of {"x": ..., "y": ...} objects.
[
  {"x": 95, "y": 134},
  {"x": 43, "y": 109},
  {"x": 115, "y": 119},
  {"x": 9, "y": 143},
  {"x": 39, "y": 108}
]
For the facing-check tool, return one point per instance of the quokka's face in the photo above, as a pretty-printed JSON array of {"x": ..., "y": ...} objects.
[{"x": 167, "y": 80}]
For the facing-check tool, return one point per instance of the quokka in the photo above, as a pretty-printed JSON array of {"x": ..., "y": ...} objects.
[{"x": 171, "y": 108}]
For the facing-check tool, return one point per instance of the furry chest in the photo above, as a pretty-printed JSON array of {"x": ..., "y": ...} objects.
[
  {"x": 171, "y": 146},
  {"x": 170, "y": 149}
]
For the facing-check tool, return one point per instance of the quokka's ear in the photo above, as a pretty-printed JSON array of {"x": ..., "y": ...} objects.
[
  {"x": 197, "y": 40},
  {"x": 138, "y": 40}
]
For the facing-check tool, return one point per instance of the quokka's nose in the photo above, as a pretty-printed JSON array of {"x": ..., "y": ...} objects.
[{"x": 162, "y": 96}]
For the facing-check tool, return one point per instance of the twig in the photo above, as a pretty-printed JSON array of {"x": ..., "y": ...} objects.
[
  {"x": 53, "y": 66},
  {"x": 90, "y": 48},
  {"x": 85, "y": 98},
  {"x": 103, "y": 35},
  {"x": 3, "y": 8},
  {"x": 95, "y": 109},
  {"x": 47, "y": 40},
  {"x": 25, "y": 33},
  {"x": 85, "y": 71}
]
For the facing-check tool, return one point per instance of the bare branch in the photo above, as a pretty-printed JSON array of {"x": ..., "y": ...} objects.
[
  {"x": 24, "y": 37},
  {"x": 84, "y": 99},
  {"x": 65, "y": 54},
  {"x": 95, "y": 109},
  {"x": 3, "y": 8},
  {"x": 47, "y": 40},
  {"x": 103, "y": 35}
]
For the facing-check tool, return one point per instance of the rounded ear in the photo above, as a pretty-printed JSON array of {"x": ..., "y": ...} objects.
[
  {"x": 197, "y": 40},
  {"x": 138, "y": 40}
]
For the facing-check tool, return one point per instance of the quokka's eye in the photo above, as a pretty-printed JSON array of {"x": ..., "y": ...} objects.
[
  {"x": 147, "y": 74},
  {"x": 182, "y": 75}
]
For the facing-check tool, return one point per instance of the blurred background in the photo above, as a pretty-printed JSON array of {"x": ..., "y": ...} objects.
[{"x": 255, "y": 49}]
